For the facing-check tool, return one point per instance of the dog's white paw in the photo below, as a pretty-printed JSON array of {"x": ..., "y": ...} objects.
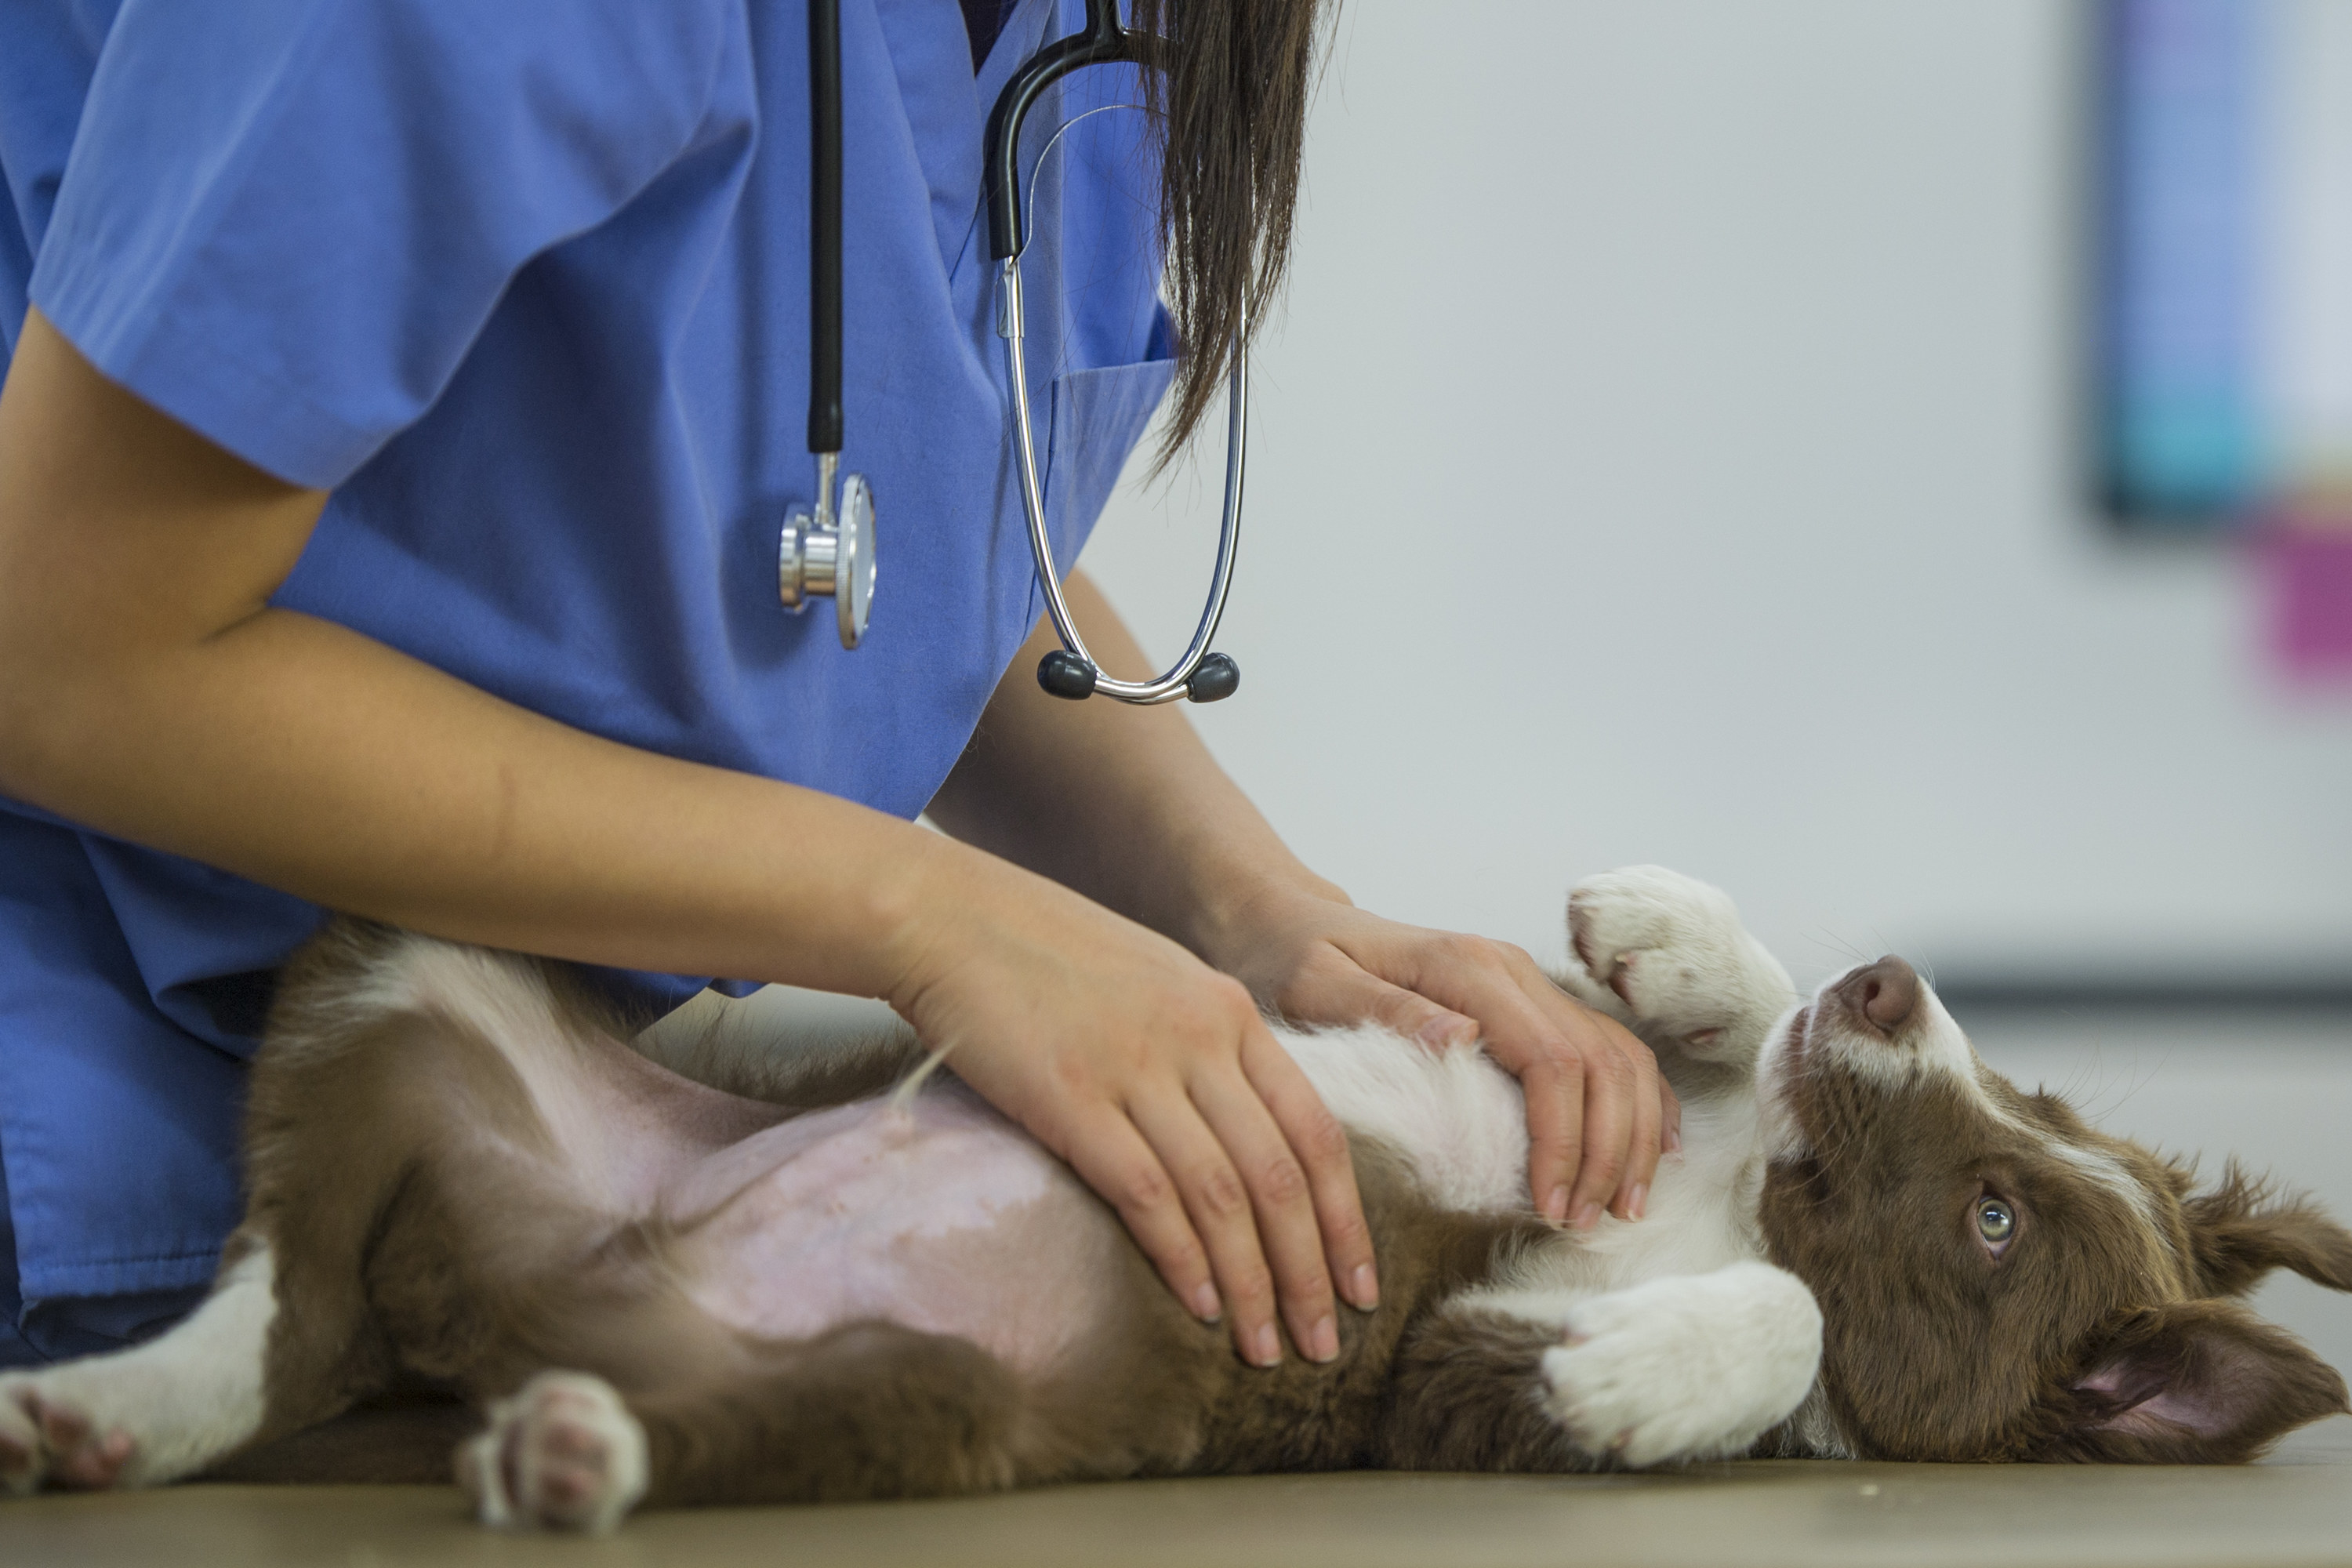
[
  {"x": 563, "y": 1454},
  {"x": 1673, "y": 949},
  {"x": 1692, "y": 1367},
  {"x": 47, "y": 1437}
]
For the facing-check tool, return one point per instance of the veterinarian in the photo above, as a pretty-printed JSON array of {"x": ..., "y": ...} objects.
[{"x": 402, "y": 403}]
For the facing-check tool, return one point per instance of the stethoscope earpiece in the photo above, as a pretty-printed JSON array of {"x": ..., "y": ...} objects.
[
  {"x": 1217, "y": 679},
  {"x": 1065, "y": 674}
]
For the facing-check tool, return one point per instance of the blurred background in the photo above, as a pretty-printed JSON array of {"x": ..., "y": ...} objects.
[{"x": 1885, "y": 459}]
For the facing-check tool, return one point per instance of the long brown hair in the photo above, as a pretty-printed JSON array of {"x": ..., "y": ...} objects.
[{"x": 1232, "y": 103}]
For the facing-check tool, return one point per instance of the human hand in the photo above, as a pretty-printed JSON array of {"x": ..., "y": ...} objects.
[
  {"x": 1599, "y": 1114},
  {"x": 1159, "y": 1082}
]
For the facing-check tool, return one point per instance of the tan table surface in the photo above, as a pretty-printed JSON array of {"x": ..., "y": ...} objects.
[{"x": 2294, "y": 1510}]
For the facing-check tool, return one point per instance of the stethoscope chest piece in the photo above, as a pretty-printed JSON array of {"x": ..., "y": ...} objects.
[{"x": 825, "y": 556}]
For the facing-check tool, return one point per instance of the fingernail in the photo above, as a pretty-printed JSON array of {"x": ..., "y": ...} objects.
[
  {"x": 1205, "y": 1306},
  {"x": 1323, "y": 1341},
  {"x": 1637, "y": 1202},
  {"x": 1364, "y": 1286},
  {"x": 1587, "y": 1217},
  {"x": 1266, "y": 1347},
  {"x": 1446, "y": 1029},
  {"x": 1673, "y": 1139},
  {"x": 1555, "y": 1207}
]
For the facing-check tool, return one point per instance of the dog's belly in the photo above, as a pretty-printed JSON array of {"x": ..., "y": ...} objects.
[{"x": 940, "y": 1216}]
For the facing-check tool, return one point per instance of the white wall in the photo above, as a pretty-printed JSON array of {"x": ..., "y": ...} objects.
[{"x": 1666, "y": 457}]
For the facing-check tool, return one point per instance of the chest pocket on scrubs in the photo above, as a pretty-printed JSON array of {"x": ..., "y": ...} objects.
[{"x": 1098, "y": 417}]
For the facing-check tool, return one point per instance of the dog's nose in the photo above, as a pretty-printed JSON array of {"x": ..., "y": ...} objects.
[{"x": 1884, "y": 992}]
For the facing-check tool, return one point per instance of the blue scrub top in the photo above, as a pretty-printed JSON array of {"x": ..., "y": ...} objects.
[{"x": 525, "y": 286}]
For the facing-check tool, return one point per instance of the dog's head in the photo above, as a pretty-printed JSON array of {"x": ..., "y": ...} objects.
[{"x": 1998, "y": 1280}]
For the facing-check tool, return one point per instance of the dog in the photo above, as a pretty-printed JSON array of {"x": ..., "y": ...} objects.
[{"x": 868, "y": 1284}]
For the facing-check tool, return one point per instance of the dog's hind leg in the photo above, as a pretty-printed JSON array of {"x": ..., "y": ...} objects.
[
  {"x": 350, "y": 1088},
  {"x": 152, "y": 1413},
  {"x": 870, "y": 1410},
  {"x": 239, "y": 1369},
  {"x": 1467, "y": 1397}
]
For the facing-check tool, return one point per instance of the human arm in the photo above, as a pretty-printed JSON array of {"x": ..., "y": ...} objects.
[
  {"x": 150, "y": 690},
  {"x": 1127, "y": 806}
]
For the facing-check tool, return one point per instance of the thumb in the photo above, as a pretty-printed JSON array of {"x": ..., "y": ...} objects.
[{"x": 1348, "y": 995}]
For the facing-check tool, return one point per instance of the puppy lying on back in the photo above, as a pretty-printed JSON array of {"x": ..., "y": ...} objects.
[{"x": 1872, "y": 1245}]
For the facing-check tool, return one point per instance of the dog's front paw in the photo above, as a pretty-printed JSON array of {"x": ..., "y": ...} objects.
[
  {"x": 1673, "y": 952},
  {"x": 1692, "y": 1367},
  {"x": 47, "y": 1438},
  {"x": 563, "y": 1454}
]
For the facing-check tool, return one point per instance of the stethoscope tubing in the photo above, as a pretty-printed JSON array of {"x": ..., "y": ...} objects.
[
  {"x": 823, "y": 553},
  {"x": 1073, "y": 673}
]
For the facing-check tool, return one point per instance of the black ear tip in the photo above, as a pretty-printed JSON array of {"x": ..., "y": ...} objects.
[
  {"x": 1217, "y": 679},
  {"x": 1065, "y": 674}
]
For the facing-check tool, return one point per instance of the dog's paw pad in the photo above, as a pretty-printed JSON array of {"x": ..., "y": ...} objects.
[
  {"x": 563, "y": 1454},
  {"x": 46, "y": 1440}
]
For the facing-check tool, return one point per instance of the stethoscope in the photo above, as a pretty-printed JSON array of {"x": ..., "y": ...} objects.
[{"x": 828, "y": 551}]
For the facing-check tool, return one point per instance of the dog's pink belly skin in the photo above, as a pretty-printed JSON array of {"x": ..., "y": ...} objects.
[{"x": 941, "y": 1215}]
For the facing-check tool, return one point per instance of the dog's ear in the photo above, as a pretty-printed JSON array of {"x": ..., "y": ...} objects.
[
  {"x": 2237, "y": 1233},
  {"x": 2192, "y": 1382}
]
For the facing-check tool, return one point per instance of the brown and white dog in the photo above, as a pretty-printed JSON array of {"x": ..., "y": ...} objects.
[{"x": 1872, "y": 1245}]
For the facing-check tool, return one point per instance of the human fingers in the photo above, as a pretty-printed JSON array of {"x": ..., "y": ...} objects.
[
  {"x": 1222, "y": 1214},
  {"x": 1478, "y": 979},
  {"x": 1281, "y": 1205},
  {"x": 1625, "y": 1110},
  {"x": 1582, "y": 1073},
  {"x": 1333, "y": 988},
  {"x": 1632, "y": 1198},
  {"x": 1320, "y": 1144},
  {"x": 1114, "y": 1158}
]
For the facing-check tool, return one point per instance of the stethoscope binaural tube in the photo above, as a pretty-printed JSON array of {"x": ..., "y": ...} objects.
[{"x": 1070, "y": 671}]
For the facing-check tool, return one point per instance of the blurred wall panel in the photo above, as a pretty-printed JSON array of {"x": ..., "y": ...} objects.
[
  {"x": 1670, "y": 452},
  {"x": 2222, "y": 276}
]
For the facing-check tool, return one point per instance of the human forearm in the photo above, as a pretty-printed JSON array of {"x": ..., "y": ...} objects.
[
  {"x": 1126, "y": 804},
  {"x": 147, "y": 689},
  {"x": 304, "y": 756}
]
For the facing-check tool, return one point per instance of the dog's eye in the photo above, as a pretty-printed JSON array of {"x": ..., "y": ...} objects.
[{"x": 1995, "y": 1219}]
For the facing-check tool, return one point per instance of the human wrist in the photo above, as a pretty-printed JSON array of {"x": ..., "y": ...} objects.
[
  {"x": 1239, "y": 914},
  {"x": 916, "y": 913}
]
